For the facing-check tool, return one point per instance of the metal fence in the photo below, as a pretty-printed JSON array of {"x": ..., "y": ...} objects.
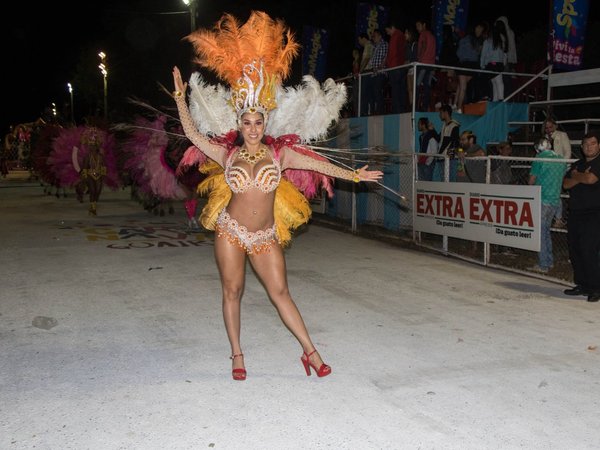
[{"x": 374, "y": 210}]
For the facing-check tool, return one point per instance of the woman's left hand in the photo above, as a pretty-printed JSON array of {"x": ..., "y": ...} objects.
[{"x": 369, "y": 175}]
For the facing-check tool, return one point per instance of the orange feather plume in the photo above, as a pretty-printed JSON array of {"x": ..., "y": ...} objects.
[{"x": 228, "y": 47}]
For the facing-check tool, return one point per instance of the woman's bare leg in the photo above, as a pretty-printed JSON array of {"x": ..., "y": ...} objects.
[
  {"x": 463, "y": 80},
  {"x": 271, "y": 269},
  {"x": 231, "y": 262}
]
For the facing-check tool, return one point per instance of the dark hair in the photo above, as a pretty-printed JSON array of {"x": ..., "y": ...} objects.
[
  {"x": 469, "y": 134},
  {"x": 498, "y": 31},
  {"x": 363, "y": 35},
  {"x": 413, "y": 32},
  {"x": 446, "y": 108},
  {"x": 394, "y": 22},
  {"x": 591, "y": 134},
  {"x": 423, "y": 120}
]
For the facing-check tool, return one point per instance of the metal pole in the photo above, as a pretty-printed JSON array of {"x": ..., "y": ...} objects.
[
  {"x": 104, "y": 72},
  {"x": 193, "y": 15},
  {"x": 105, "y": 99},
  {"x": 72, "y": 107}
]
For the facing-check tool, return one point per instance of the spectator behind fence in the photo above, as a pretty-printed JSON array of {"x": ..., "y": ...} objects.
[
  {"x": 511, "y": 47},
  {"x": 428, "y": 144},
  {"x": 449, "y": 141},
  {"x": 426, "y": 55},
  {"x": 366, "y": 54},
  {"x": 367, "y": 51},
  {"x": 411, "y": 36},
  {"x": 396, "y": 56},
  {"x": 549, "y": 176},
  {"x": 561, "y": 144},
  {"x": 501, "y": 170},
  {"x": 474, "y": 170},
  {"x": 355, "y": 72},
  {"x": 468, "y": 54},
  {"x": 511, "y": 56},
  {"x": 501, "y": 173},
  {"x": 376, "y": 81},
  {"x": 582, "y": 182},
  {"x": 493, "y": 57}
]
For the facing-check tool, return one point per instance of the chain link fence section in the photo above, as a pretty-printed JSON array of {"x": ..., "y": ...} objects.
[
  {"x": 381, "y": 209},
  {"x": 547, "y": 172},
  {"x": 386, "y": 211}
]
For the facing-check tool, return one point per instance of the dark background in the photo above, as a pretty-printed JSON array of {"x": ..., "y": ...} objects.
[{"x": 48, "y": 45}]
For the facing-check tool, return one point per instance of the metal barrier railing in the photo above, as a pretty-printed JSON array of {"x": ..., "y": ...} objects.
[
  {"x": 412, "y": 70},
  {"x": 370, "y": 210}
]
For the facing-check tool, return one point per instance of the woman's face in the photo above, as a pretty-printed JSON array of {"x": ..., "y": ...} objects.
[{"x": 252, "y": 127}]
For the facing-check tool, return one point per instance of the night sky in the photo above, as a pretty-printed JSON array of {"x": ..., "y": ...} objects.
[{"x": 44, "y": 49}]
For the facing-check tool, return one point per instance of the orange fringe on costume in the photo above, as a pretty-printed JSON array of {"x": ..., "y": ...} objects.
[{"x": 291, "y": 207}]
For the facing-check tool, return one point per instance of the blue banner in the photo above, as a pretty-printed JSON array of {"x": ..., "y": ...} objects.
[
  {"x": 370, "y": 17},
  {"x": 448, "y": 12},
  {"x": 569, "y": 19},
  {"x": 314, "y": 52}
]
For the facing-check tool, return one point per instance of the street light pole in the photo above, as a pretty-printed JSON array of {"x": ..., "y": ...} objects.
[
  {"x": 192, "y": 4},
  {"x": 72, "y": 107},
  {"x": 104, "y": 72}
]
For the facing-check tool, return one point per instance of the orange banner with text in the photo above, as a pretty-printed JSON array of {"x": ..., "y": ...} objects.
[{"x": 493, "y": 213}]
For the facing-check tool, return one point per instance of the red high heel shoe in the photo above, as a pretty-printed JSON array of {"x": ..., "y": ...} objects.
[
  {"x": 322, "y": 371},
  {"x": 238, "y": 374}
]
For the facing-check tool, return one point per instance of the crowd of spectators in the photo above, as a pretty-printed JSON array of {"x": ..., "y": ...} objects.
[{"x": 382, "y": 62}]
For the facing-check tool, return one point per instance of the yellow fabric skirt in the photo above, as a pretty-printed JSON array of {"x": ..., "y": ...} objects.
[{"x": 291, "y": 209}]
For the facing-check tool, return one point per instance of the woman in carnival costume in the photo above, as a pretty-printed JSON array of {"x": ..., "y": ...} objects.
[
  {"x": 151, "y": 160},
  {"x": 40, "y": 152},
  {"x": 84, "y": 158},
  {"x": 251, "y": 205}
]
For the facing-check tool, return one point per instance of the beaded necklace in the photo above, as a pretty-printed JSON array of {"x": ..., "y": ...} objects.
[{"x": 252, "y": 159}]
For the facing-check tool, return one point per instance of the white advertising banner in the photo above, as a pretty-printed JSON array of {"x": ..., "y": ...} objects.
[{"x": 494, "y": 213}]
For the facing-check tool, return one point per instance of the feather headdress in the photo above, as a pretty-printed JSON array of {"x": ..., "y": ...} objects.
[{"x": 253, "y": 58}]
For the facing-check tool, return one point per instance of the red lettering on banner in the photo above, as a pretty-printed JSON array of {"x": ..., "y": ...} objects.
[
  {"x": 447, "y": 211},
  {"x": 486, "y": 215},
  {"x": 506, "y": 212},
  {"x": 526, "y": 215},
  {"x": 510, "y": 214},
  {"x": 459, "y": 211},
  {"x": 440, "y": 205},
  {"x": 473, "y": 203}
]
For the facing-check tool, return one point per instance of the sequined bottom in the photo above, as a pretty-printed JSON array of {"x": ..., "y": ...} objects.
[{"x": 250, "y": 241}]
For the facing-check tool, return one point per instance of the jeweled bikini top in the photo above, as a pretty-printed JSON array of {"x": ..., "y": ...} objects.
[{"x": 239, "y": 180}]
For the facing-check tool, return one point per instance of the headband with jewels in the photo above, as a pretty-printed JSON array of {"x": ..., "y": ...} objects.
[{"x": 253, "y": 58}]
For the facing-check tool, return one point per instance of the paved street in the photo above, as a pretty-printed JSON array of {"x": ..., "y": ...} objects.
[{"x": 111, "y": 337}]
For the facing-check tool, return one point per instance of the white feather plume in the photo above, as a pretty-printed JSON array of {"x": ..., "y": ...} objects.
[
  {"x": 210, "y": 108},
  {"x": 307, "y": 110}
]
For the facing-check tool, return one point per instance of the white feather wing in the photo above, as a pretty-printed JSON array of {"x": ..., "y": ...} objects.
[
  {"x": 209, "y": 106},
  {"x": 307, "y": 110}
]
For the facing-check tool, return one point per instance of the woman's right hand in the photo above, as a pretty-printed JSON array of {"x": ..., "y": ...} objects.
[{"x": 180, "y": 86}]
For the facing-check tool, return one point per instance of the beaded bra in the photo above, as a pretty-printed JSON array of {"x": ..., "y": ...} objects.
[{"x": 239, "y": 180}]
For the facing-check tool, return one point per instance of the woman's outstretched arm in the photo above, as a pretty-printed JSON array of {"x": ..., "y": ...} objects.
[
  {"x": 215, "y": 152},
  {"x": 294, "y": 160}
]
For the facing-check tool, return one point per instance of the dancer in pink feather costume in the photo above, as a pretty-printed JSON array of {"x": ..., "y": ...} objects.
[{"x": 84, "y": 157}]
